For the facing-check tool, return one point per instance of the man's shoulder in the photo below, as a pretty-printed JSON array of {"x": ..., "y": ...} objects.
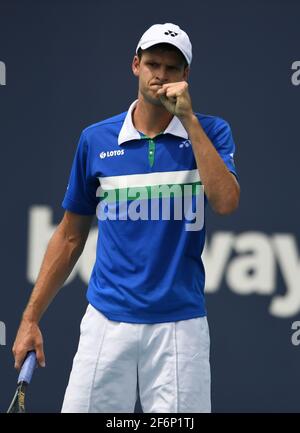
[
  {"x": 114, "y": 122},
  {"x": 212, "y": 123}
]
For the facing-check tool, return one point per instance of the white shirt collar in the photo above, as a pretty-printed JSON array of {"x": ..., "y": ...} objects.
[{"x": 128, "y": 131}]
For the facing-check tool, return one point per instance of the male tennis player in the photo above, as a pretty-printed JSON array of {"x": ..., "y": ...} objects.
[{"x": 143, "y": 173}]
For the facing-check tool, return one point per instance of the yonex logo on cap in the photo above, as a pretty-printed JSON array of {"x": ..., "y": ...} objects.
[
  {"x": 171, "y": 33},
  {"x": 111, "y": 153}
]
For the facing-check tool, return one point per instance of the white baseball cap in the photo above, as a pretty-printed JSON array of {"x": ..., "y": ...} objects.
[{"x": 167, "y": 33}]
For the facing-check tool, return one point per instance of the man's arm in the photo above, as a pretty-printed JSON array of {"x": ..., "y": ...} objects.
[
  {"x": 63, "y": 251},
  {"x": 220, "y": 185}
]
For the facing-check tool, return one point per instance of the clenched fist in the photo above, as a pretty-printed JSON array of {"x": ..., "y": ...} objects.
[{"x": 176, "y": 99}]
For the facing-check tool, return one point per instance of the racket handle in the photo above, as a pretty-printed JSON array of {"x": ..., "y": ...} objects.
[{"x": 28, "y": 368}]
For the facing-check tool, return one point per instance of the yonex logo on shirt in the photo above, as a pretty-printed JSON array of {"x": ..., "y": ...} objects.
[
  {"x": 111, "y": 153},
  {"x": 185, "y": 143}
]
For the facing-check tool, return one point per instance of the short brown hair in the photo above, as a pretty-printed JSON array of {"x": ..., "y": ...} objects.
[{"x": 163, "y": 47}]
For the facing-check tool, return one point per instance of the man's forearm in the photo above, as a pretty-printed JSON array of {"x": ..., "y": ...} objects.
[
  {"x": 61, "y": 255},
  {"x": 221, "y": 188}
]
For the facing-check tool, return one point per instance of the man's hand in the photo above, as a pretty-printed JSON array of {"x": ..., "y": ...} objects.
[
  {"x": 29, "y": 337},
  {"x": 176, "y": 99},
  {"x": 63, "y": 251}
]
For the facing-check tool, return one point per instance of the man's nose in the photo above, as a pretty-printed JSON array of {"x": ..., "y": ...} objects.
[{"x": 161, "y": 74}]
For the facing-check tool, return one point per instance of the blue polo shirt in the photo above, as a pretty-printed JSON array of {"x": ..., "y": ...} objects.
[{"x": 149, "y": 201}]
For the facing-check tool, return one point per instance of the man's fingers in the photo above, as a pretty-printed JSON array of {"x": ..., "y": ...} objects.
[
  {"x": 161, "y": 91},
  {"x": 40, "y": 356},
  {"x": 28, "y": 338},
  {"x": 176, "y": 86},
  {"x": 166, "y": 101},
  {"x": 170, "y": 92},
  {"x": 163, "y": 97},
  {"x": 19, "y": 358}
]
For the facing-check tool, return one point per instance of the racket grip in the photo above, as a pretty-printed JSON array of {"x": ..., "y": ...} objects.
[{"x": 28, "y": 367}]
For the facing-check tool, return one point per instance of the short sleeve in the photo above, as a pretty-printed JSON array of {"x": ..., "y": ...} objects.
[
  {"x": 80, "y": 196},
  {"x": 224, "y": 144}
]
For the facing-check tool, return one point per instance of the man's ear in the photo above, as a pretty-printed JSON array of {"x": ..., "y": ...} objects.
[
  {"x": 186, "y": 73},
  {"x": 135, "y": 66}
]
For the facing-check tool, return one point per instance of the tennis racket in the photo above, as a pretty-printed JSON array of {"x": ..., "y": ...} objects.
[{"x": 18, "y": 402}]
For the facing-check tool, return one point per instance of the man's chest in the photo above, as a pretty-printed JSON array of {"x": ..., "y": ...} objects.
[{"x": 164, "y": 154}]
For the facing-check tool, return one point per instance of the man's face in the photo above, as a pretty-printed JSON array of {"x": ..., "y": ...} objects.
[{"x": 155, "y": 68}]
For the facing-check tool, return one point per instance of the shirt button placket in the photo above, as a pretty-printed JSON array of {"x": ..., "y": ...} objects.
[{"x": 151, "y": 151}]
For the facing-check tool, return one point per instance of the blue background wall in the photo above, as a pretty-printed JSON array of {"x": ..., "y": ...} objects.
[{"x": 67, "y": 66}]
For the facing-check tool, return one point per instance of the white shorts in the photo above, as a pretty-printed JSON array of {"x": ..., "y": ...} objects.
[{"x": 167, "y": 363}]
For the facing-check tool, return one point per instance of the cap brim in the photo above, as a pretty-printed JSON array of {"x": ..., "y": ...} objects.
[{"x": 149, "y": 44}]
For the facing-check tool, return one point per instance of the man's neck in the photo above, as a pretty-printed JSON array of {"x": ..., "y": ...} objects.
[{"x": 150, "y": 119}]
